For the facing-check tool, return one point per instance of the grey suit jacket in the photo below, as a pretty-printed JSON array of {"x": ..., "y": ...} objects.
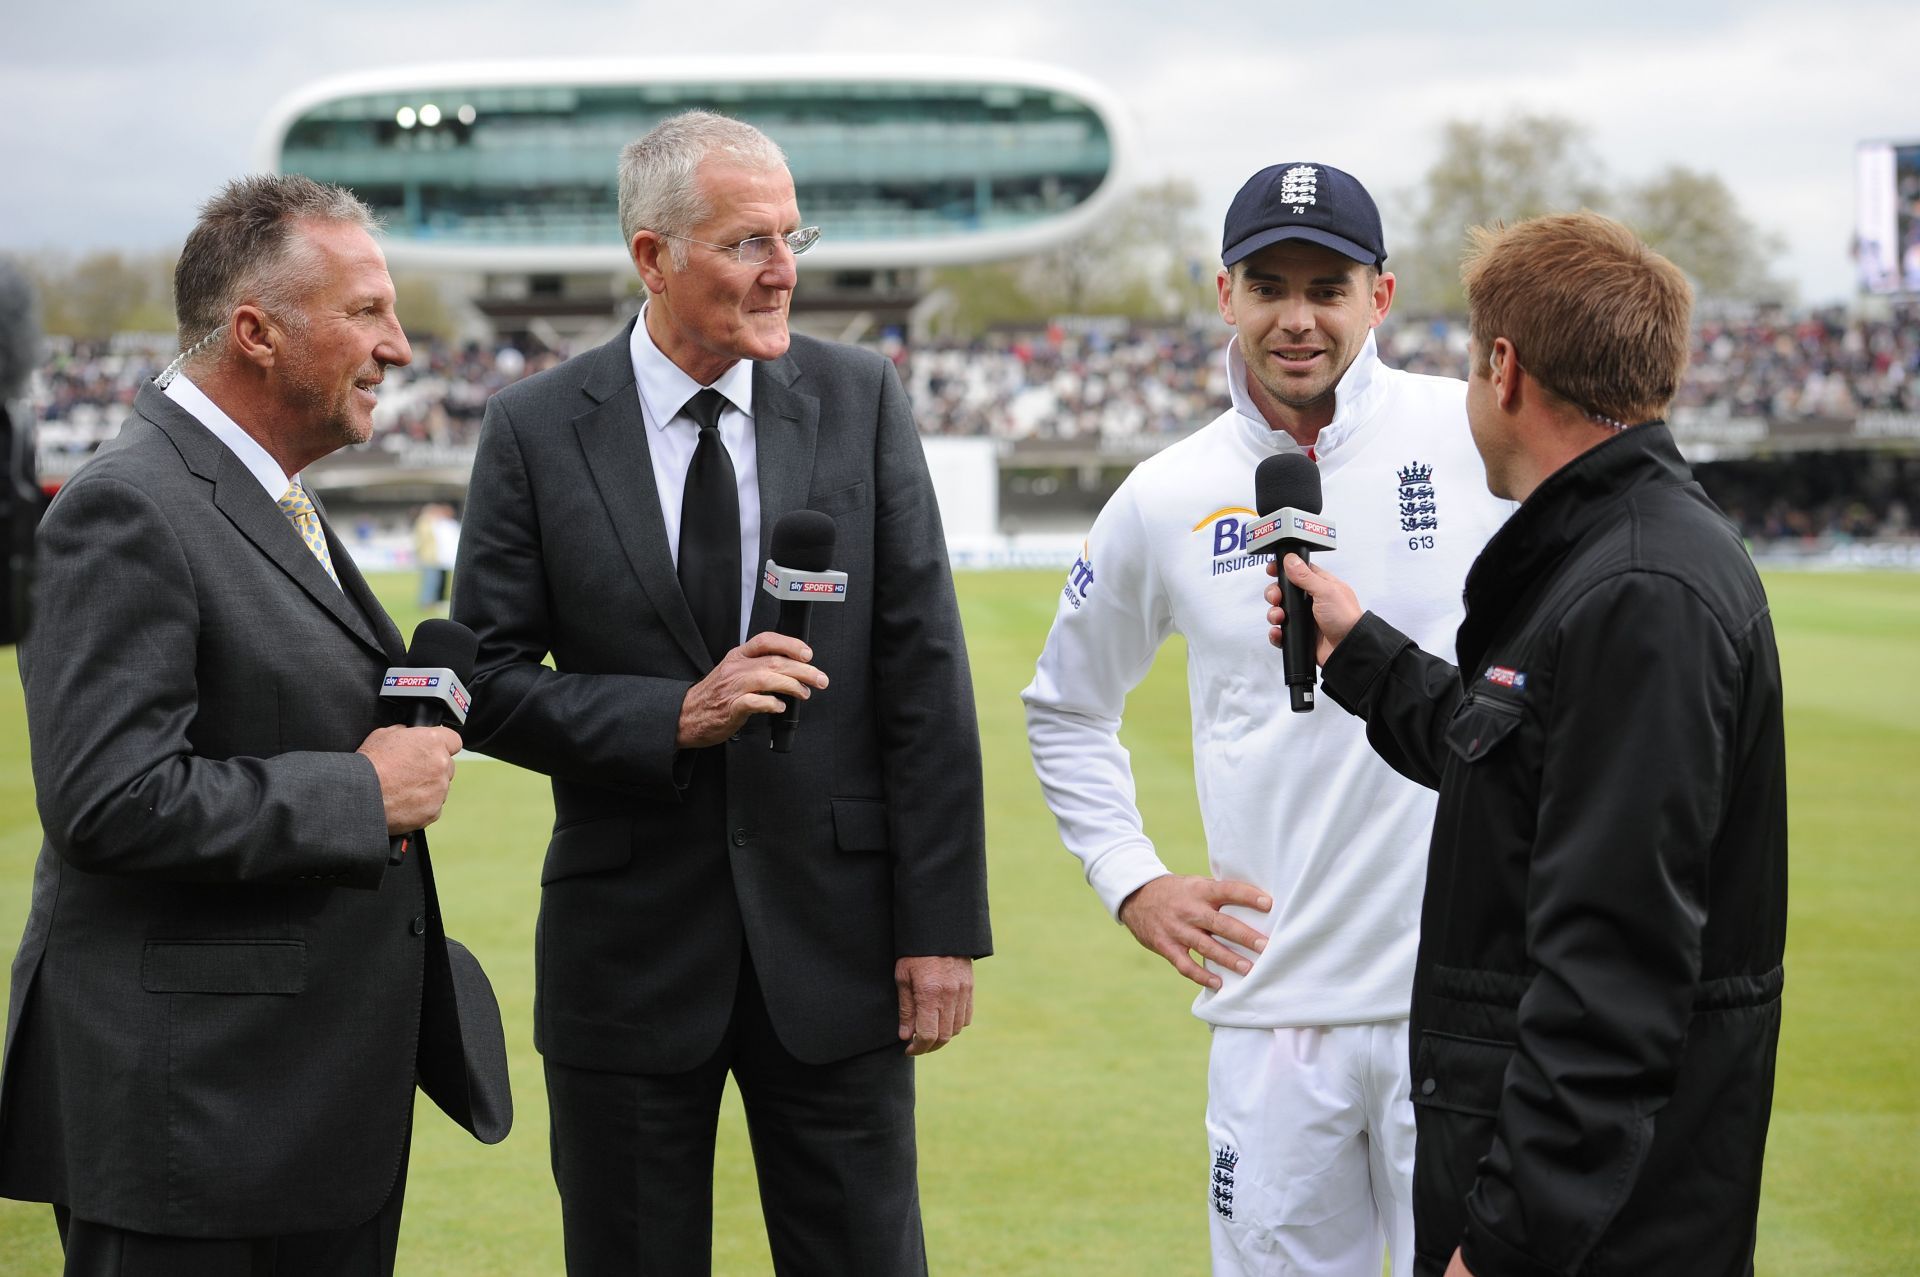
[
  {"x": 863, "y": 845},
  {"x": 216, "y": 1009}
]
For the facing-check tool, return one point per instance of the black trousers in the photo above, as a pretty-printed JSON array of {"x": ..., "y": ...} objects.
[
  {"x": 833, "y": 1147},
  {"x": 367, "y": 1250}
]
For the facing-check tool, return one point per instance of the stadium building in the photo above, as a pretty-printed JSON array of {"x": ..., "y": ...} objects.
[{"x": 505, "y": 172}]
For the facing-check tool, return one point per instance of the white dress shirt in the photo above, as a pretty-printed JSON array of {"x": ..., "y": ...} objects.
[
  {"x": 258, "y": 461},
  {"x": 672, "y": 436}
]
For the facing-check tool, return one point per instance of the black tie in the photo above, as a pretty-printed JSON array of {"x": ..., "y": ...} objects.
[{"x": 710, "y": 531}]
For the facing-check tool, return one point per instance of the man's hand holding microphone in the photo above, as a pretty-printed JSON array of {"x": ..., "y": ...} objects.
[
  {"x": 771, "y": 673},
  {"x": 415, "y": 760},
  {"x": 1336, "y": 609},
  {"x": 415, "y": 766}
]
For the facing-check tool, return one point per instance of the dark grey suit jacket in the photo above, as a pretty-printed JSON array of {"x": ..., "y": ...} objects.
[
  {"x": 863, "y": 845},
  {"x": 217, "y": 1007}
]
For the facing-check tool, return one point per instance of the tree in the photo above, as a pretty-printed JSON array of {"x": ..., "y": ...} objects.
[
  {"x": 1135, "y": 261},
  {"x": 421, "y": 303},
  {"x": 1693, "y": 219},
  {"x": 102, "y": 293},
  {"x": 972, "y": 298},
  {"x": 1537, "y": 164},
  {"x": 1132, "y": 261},
  {"x": 1530, "y": 165}
]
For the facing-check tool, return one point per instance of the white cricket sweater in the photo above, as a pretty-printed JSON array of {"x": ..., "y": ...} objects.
[{"x": 1296, "y": 804}]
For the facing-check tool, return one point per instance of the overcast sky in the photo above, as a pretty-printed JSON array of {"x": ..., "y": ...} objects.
[{"x": 117, "y": 117}]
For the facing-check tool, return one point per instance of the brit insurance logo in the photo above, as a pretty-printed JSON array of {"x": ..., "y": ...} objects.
[
  {"x": 1079, "y": 579},
  {"x": 1229, "y": 529},
  {"x": 1419, "y": 508}
]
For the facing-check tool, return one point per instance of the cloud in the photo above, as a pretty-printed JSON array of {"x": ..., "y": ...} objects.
[{"x": 138, "y": 111}]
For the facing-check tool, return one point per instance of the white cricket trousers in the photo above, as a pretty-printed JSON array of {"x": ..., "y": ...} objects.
[{"x": 1310, "y": 1151}]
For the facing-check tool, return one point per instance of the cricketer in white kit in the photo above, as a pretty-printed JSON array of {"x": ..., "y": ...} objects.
[{"x": 1308, "y": 921}]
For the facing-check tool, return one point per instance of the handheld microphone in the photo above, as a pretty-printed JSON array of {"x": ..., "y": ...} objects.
[
  {"x": 1287, "y": 487},
  {"x": 430, "y": 690},
  {"x": 797, "y": 574}
]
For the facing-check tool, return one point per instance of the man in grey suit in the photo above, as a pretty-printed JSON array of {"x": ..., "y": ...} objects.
[
  {"x": 230, "y": 975},
  {"x": 710, "y": 907}
]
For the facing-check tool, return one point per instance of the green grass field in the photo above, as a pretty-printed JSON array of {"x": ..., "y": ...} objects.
[{"x": 1061, "y": 1134}]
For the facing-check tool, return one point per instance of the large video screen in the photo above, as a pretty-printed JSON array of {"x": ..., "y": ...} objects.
[{"x": 1887, "y": 235}]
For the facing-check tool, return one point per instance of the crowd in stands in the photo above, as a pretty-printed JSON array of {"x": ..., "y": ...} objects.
[
  {"x": 1821, "y": 363},
  {"x": 1121, "y": 386}
]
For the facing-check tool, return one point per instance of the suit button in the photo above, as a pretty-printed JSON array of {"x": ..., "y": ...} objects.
[
  {"x": 1429, "y": 1086},
  {"x": 420, "y": 924},
  {"x": 739, "y": 837}
]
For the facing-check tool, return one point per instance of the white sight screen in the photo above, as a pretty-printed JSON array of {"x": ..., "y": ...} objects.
[{"x": 1887, "y": 231}]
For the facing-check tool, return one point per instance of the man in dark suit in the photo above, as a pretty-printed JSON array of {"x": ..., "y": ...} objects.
[
  {"x": 711, "y": 907},
  {"x": 230, "y": 976}
]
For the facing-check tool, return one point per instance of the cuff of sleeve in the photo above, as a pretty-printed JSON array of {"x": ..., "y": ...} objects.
[
  {"x": 1360, "y": 659},
  {"x": 365, "y": 819},
  {"x": 664, "y": 766},
  {"x": 1122, "y": 871}
]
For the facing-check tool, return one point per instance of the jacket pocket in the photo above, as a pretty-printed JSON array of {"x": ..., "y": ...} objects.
[
  {"x": 591, "y": 846},
  {"x": 851, "y": 497},
  {"x": 1478, "y": 726},
  {"x": 1464, "y": 1075},
  {"x": 224, "y": 966},
  {"x": 860, "y": 824}
]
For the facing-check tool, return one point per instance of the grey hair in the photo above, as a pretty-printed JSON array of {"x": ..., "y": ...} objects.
[
  {"x": 659, "y": 186},
  {"x": 244, "y": 249}
]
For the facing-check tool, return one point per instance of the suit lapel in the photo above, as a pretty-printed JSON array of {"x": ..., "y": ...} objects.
[
  {"x": 613, "y": 435},
  {"x": 387, "y": 634},
  {"x": 239, "y": 496},
  {"x": 785, "y": 425}
]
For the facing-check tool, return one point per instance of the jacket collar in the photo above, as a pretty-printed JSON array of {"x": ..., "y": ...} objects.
[
  {"x": 1567, "y": 507},
  {"x": 612, "y": 433},
  {"x": 237, "y": 494},
  {"x": 1354, "y": 406}
]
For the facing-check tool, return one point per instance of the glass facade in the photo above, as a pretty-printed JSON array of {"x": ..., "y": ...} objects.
[{"x": 534, "y": 166}]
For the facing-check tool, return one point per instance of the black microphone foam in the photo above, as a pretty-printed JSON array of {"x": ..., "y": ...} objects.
[
  {"x": 19, "y": 334},
  {"x": 438, "y": 644},
  {"x": 803, "y": 540},
  {"x": 1291, "y": 479},
  {"x": 1286, "y": 479},
  {"x": 442, "y": 644}
]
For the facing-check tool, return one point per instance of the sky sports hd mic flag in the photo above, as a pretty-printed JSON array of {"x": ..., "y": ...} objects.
[
  {"x": 438, "y": 691},
  {"x": 430, "y": 690},
  {"x": 1287, "y": 488},
  {"x": 798, "y": 576}
]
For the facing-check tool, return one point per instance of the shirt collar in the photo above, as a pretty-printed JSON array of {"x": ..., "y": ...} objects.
[
  {"x": 1351, "y": 402},
  {"x": 258, "y": 461},
  {"x": 665, "y": 389}
]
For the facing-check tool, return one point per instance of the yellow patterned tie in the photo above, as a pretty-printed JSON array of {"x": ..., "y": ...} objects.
[{"x": 298, "y": 506}]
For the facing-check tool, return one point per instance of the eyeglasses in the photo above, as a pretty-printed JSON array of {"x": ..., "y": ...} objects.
[{"x": 754, "y": 251}]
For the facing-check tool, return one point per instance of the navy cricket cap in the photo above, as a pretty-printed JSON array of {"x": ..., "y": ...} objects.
[{"x": 1312, "y": 202}]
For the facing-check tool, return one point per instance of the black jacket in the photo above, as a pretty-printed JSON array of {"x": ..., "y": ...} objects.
[
  {"x": 225, "y": 992},
  {"x": 1597, "y": 995},
  {"x": 864, "y": 844}
]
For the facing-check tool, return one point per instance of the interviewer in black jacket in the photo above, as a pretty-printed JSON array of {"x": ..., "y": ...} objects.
[{"x": 1597, "y": 996}]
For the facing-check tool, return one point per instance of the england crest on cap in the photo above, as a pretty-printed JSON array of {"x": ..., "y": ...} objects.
[{"x": 1298, "y": 186}]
